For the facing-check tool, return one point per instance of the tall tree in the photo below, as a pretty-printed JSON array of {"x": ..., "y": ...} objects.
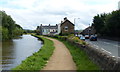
[
  {"x": 108, "y": 24},
  {"x": 9, "y": 28}
]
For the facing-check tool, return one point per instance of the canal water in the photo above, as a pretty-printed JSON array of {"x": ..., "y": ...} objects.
[{"x": 16, "y": 50}]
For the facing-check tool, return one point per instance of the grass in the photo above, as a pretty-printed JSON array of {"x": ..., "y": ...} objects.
[
  {"x": 38, "y": 60},
  {"x": 80, "y": 57}
]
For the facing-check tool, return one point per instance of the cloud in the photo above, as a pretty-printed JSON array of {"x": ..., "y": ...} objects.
[{"x": 31, "y": 13}]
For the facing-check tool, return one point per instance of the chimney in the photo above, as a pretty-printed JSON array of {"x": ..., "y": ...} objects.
[
  {"x": 41, "y": 25},
  {"x": 61, "y": 21},
  {"x": 37, "y": 27},
  {"x": 65, "y": 18},
  {"x": 49, "y": 24},
  {"x": 56, "y": 24}
]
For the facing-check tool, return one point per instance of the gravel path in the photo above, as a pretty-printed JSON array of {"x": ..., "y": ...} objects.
[{"x": 61, "y": 58}]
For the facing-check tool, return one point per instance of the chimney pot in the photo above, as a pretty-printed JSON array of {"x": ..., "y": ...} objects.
[
  {"x": 41, "y": 25},
  {"x": 65, "y": 18}
]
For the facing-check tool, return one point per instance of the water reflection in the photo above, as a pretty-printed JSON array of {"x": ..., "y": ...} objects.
[{"x": 16, "y": 50}]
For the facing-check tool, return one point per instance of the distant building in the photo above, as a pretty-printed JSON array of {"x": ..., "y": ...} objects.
[
  {"x": 89, "y": 31},
  {"x": 119, "y": 5},
  {"x": 48, "y": 30},
  {"x": 67, "y": 27}
]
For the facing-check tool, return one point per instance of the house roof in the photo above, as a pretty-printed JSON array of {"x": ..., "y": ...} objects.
[
  {"x": 49, "y": 27},
  {"x": 62, "y": 22}
]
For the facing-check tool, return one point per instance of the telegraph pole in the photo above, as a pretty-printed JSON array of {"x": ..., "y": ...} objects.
[
  {"x": 75, "y": 22},
  {"x": 89, "y": 30}
]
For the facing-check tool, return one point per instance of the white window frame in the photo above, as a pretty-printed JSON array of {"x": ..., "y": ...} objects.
[{"x": 66, "y": 28}]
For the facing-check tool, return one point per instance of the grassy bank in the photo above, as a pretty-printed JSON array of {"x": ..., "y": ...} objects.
[
  {"x": 38, "y": 60},
  {"x": 80, "y": 57}
]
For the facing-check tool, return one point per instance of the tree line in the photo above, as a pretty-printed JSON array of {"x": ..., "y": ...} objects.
[
  {"x": 107, "y": 24},
  {"x": 9, "y": 27}
]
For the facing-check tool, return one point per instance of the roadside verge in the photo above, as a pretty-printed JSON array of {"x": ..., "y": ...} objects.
[{"x": 80, "y": 57}]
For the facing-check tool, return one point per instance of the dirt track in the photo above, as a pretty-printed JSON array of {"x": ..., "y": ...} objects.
[{"x": 61, "y": 58}]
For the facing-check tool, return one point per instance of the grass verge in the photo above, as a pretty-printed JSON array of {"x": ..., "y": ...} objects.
[
  {"x": 38, "y": 60},
  {"x": 80, "y": 57}
]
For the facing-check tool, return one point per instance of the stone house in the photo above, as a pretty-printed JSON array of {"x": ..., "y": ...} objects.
[
  {"x": 66, "y": 26},
  {"x": 89, "y": 31}
]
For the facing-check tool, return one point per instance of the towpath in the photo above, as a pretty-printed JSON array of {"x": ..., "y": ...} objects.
[{"x": 61, "y": 58}]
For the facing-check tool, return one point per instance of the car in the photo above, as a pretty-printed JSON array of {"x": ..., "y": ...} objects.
[
  {"x": 93, "y": 38},
  {"x": 82, "y": 38},
  {"x": 86, "y": 36},
  {"x": 80, "y": 35}
]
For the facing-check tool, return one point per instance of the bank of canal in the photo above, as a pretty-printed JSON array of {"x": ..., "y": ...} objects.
[{"x": 16, "y": 50}]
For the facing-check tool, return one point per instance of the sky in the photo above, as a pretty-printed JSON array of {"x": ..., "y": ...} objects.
[{"x": 31, "y": 13}]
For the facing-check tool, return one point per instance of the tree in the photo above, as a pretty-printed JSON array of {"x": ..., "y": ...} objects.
[
  {"x": 9, "y": 28},
  {"x": 113, "y": 24},
  {"x": 99, "y": 23},
  {"x": 108, "y": 24}
]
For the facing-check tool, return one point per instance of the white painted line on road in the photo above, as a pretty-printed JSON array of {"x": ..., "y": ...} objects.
[
  {"x": 96, "y": 46},
  {"x": 106, "y": 51},
  {"x": 113, "y": 56},
  {"x": 106, "y": 42},
  {"x": 117, "y": 45},
  {"x": 90, "y": 42}
]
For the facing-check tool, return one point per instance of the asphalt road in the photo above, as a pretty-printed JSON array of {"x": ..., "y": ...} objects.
[{"x": 109, "y": 46}]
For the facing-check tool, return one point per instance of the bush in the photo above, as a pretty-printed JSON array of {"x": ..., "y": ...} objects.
[{"x": 76, "y": 39}]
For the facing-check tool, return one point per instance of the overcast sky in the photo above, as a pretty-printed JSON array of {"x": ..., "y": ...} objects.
[{"x": 31, "y": 13}]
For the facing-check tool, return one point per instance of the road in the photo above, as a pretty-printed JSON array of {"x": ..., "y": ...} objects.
[{"x": 111, "y": 47}]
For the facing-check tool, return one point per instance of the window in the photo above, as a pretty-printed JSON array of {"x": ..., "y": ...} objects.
[{"x": 66, "y": 27}]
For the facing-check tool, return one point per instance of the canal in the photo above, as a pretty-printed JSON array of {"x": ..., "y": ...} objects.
[{"x": 16, "y": 50}]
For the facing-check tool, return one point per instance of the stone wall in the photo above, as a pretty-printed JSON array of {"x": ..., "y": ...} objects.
[{"x": 99, "y": 56}]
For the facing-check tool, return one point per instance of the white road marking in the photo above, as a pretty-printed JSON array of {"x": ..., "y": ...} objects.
[
  {"x": 96, "y": 46},
  {"x": 106, "y": 42},
  {"x": 117, "y": 45},
  {"x": 106, "y": 51}
]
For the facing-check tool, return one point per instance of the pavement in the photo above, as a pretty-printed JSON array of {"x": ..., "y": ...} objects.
[{"x": 109, "y": 46}]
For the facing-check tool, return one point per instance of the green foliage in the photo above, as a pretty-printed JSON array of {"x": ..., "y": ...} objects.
[
  {"x": 5, "y": 33},
  {"x": 99, "y": 23},
  {"x": 9, "y": 28},
  {"x": 113, "y": 23},
  {"x": 108, "y": 24},
  {"x": 76, "y": 39},
  {"x": 38, "y": 60},
  {"x": 17, "y": 31},
  {"x": 30, "y": 31}
]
